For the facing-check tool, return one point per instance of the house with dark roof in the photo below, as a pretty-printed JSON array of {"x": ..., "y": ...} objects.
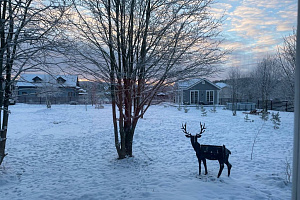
[
  {"x": 39, "y": 88},
  {"x": 197, "y": 91}
]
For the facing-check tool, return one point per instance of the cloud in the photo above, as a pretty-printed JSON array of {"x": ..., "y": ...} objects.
[
  {"x": 263, "y": 23},
  {"x": 255, "y": 28},
  {"x": 245, "y": 20},
  {"x": 284, "y": 27},
  {"x": 267, "y": 40},
  {"x": 219, "y": 9},
  {"x": 232, "y": 45},
  {"x": 222, "y": 6},
  {"x": 265, "y": 3}
]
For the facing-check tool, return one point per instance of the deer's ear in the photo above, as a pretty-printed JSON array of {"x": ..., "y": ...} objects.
[
  {"x": 199, "y": 136},
  {"x": 188, "y": 136}
]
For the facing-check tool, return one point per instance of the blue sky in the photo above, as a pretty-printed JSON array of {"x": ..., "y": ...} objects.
[{"x": 255, "y": 28}]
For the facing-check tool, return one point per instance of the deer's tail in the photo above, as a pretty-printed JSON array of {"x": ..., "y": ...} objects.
[{"x": 227, "y": 151}]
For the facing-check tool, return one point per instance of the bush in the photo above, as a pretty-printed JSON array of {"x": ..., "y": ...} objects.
[{"x": 186, "y": 110}]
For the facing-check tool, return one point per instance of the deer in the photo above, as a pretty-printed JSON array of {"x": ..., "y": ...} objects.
[{"x": 210, "y": 152}]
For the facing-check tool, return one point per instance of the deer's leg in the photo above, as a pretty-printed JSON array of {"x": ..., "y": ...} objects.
[
  {"x": 228, "y": 167},
  {"x": 227, "y": 163},
  {"x": 199, "y": 160},
  {"x": 204, "y": 163},
  {"x": 221, "y": 168}
]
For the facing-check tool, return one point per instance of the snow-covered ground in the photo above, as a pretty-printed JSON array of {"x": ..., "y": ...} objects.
[{"x": 67, "y": 152}]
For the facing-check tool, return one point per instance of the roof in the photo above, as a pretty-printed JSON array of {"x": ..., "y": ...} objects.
[
  {"x": 221, "y": 84},
  {"x": 27, "y": 80},
  {"x": 184, "y": 85}
]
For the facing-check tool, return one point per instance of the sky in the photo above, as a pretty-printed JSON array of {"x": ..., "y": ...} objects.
[{"x": 255, "y": 28}]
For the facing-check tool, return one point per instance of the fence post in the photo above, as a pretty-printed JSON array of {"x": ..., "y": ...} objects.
[{"x": 271, "y": 105}]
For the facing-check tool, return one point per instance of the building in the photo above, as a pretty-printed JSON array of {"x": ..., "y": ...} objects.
[
  {"x": 225, "y": 94},
  {"x": 40, "y": 88},
  {"x": 96, "y": 92},
  {"x": 197, "y": 91}
]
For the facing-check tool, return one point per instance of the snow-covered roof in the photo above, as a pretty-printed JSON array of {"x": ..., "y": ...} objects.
[
  {"x": 191, "y": 82},
  {"x": 221, "y": 84},
  {"x": 161, "y": 94},
  {"x": 28, "y": 80},
  {"x": 188, "y": 83}
]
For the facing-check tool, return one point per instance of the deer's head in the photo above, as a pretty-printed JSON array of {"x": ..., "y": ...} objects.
[{"x": 193, "y": 137}]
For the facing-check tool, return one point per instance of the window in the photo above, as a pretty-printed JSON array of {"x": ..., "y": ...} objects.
[
  {"x": 194, "y": 96},
  {"x": 37, "y": 79},
  {"x": 60, "y": 80},
  {"x": 210, "y": 96}
]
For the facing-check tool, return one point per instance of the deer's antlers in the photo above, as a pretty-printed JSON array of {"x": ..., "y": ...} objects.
[
  {"x": 187, "y": 134},
  {"x": 202, "y": 130}
]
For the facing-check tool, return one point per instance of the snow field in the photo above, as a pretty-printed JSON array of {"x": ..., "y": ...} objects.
[{"x": 67, "y": 152}]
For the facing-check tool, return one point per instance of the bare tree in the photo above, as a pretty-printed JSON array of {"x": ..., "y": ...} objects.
[
  {"x": 140, "y": 46},
  {"x": 48, "y": 90},
  {"x": 234, "y": 80},
  {"x": 265, "y": 79},
  {"x": 25, "y": 29},
  {"x": 287, "y": 60}
]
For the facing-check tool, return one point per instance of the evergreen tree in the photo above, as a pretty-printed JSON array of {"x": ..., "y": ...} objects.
[
  {"x": 276, "y": 120},
  {"x": 203, "y": 111}
]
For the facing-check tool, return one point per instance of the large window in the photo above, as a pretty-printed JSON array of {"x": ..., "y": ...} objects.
[
  {"x": 194, "y": 96},
  {"x": 210, "y": 96}
]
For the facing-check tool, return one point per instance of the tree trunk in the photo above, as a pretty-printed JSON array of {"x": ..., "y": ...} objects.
[
  {"x": 129, "y": 142},
  {"x": 2, "y": 145},
  {"x": 126, "y": 150},
  {"x": 3, "y": 131},
  {"x": 125, "y": 133}
]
